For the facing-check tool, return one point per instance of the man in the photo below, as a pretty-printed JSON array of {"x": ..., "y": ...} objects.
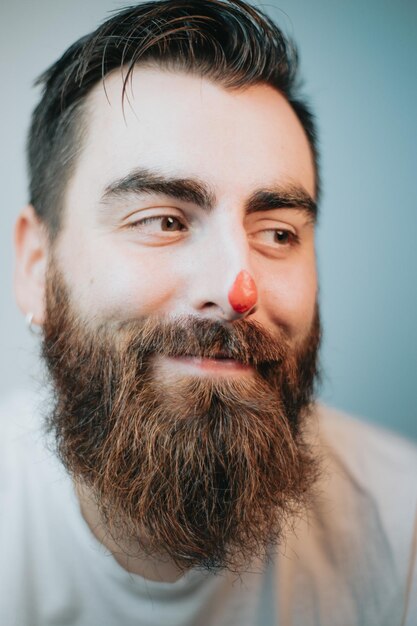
[{"x": 167, "y": 254}]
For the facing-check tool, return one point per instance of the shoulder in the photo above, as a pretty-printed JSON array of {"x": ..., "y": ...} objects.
[
  {"x": 367, "y": 451},
  {"x": 20, "y": 411},
  {"x": 369, "y": 482},
  {"x": 352, "y": 553},
  {"x": 22, "y": 439}
]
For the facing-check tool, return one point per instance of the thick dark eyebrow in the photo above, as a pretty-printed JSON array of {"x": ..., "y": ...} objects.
[
  {"x": 282, "y": 197},
  {"x": 145, "y": 181}
]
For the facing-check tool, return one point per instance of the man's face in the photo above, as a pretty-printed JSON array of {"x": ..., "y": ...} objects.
[
  {"x": 202, "y": 460},
  {"x": 179, "y": 126}
]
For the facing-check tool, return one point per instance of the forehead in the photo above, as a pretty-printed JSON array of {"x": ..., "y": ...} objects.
[{"x": 186, "y": 125}]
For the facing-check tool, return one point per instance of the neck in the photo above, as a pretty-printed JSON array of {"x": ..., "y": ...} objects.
[{"x": 152, "y": 568}]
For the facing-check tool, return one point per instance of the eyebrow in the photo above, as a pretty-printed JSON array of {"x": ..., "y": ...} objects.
[{"x": 145, "y": 181}]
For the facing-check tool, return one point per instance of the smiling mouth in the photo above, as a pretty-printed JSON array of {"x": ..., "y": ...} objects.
[
  {"x": 221, "y": 355},
  {"x": 220, "y": 363}
]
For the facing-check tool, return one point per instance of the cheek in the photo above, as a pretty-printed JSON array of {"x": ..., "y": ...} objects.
[
  {"x": 113, "y": 283},
  {"x": 124, "y": 293},
  {"x": 289, "y": 298}
]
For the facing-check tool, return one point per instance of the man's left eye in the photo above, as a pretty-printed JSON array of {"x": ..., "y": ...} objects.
[
  {"x": 285, "y": 237},
  {"x": 279, "y": 236}
]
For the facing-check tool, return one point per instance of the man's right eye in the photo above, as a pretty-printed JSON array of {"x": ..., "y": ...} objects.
[{"x": 161, "y": 223}]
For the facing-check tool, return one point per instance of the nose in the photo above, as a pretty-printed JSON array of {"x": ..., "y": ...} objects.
[
  {"x": 243, "y": 294},
  {"x": 224, "y": 285}
]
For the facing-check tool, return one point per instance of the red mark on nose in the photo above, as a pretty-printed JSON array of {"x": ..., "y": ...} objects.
[{"x": 243, "y": 294}]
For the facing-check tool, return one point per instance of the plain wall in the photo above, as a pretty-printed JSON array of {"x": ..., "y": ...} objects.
[{"x": 359, "y": 61}]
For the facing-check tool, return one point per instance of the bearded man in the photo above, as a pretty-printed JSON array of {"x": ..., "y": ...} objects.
[{"x": 184, "y": 473}]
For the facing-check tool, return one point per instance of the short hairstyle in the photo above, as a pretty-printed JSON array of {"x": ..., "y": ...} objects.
[{"x": 226, "y": 41}]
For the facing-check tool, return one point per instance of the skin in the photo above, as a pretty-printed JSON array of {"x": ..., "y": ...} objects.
[{"x": 116, "y": 269}]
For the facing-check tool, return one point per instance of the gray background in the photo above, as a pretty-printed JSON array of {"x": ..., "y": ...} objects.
[{"x": 359, "y": 60}]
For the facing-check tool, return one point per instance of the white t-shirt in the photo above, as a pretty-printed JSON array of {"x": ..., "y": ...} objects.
[{"x": 351, "y": 562}]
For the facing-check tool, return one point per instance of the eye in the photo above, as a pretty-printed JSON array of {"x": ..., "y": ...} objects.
[
  {"x": 161, "y": 223},
  {"x": 280, "y": 237},
  {"x": 170, "y": 223},
  {"x": 285, "y": 237}
]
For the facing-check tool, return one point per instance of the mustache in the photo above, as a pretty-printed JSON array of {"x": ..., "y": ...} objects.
[{"x": 246, "y": 341}]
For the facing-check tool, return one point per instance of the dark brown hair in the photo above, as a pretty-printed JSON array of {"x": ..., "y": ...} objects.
[{"x": 229, "y": 42}]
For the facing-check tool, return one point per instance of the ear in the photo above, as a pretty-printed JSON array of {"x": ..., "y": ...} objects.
[{"x": 31, "y": 250}]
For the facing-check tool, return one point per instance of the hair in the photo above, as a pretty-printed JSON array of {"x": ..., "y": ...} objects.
[{"x": 226, "y": 41}]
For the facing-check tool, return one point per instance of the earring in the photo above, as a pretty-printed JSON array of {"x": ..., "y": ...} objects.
[{"x": 29, "y": 323}]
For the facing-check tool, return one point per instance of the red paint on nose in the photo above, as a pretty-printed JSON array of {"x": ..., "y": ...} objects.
[{"x": 243, "y": 294}]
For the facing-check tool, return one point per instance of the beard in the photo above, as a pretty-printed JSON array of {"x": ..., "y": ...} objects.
[{"x": 206, "y": 471}]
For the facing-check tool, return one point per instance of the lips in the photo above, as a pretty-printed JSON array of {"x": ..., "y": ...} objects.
[
  {"x": 215, "y": 364},
  {"x": 217, "y": 356}
]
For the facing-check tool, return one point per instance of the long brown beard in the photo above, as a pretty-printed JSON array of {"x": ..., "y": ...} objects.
[{"x": 206, "y": 471}]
